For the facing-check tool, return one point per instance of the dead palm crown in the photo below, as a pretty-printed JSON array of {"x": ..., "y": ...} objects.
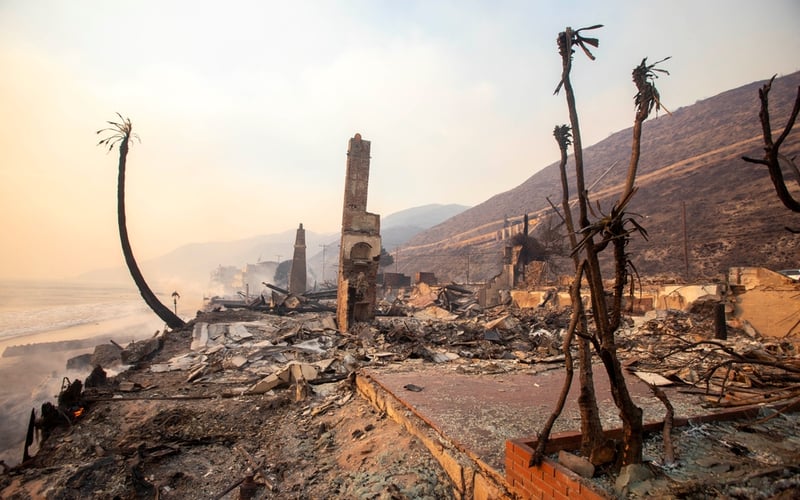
[{"x": 121, "y": 132}]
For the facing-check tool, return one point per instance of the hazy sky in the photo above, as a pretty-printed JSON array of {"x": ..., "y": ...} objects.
[{"x": 244, "y": 109}]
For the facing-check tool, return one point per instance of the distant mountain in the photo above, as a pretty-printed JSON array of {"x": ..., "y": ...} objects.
[
  {"x": 396, "y": 230},
  {"x": 399, "y": 227},
  {"x": 423, "y": 217},
  {"x": 189, "y": 266},
  {"x": 690, "y": 157}
]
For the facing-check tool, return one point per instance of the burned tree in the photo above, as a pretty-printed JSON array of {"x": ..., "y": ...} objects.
[
  {"x": 591, "y": 237},
  {"x": 121, "y": 133},
  {"x": 772, "y": 156}
]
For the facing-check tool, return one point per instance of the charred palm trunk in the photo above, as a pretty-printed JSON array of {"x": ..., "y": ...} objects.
[
  {"x": 591, "y": 427},
  {"x": 603, "y": 340},
  {"x": 149, "y": 297},
  {"x": 544, "y": 435}
]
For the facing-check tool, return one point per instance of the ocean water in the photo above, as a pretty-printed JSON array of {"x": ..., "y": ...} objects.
[
  {"x": 28, "y": 308},
  {"x": 43, "y": 312}
]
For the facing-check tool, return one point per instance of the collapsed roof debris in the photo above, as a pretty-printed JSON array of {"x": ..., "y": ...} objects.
[{"x": 236, "y": 376}]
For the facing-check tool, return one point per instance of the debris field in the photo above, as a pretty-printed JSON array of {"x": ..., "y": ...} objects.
[{"x": 250, "y": 404}]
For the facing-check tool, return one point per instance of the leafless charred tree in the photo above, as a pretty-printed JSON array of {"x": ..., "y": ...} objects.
[
  {"x": 772, "y": 155},
  {"x": 590, "y": 238}
]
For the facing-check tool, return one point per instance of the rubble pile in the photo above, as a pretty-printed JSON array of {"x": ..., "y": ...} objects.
[
  {"x": 201, "y": 423},
  {"x": 249, "y": 403},
  {"x": 738, "y": 371},
  {"x": 743, "y": 459}
]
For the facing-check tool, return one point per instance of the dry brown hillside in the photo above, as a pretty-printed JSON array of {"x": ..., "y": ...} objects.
[{"x": 691, "y": 156}]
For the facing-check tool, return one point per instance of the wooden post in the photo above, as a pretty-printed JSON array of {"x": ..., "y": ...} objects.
[{"x": 720, "y": 328}]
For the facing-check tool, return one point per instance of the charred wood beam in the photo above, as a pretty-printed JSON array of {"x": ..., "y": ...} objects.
[{"x": 277, "y": 289}]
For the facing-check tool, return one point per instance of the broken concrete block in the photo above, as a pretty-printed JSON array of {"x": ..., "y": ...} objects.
[
  {"x": 576, "y": 464},
  {"x": 214, "y": 348},
  {"x": 303, "y": 371},
  {"x": 525, "y": 299},
  {"x": 182, "y": 362},
  {"x": 238, "y": 332},
  {"x": 216, "y": 330},
  {"x": 314, "y": 326},
  {"x": 630, "y": 475},
  {"x": 266, "y": 384},
  {"x": 506, "y": 322},
  {"x": 199, "y": 336},
  {"x": 350, "y": 362},
  {"x": 238, "y": 361},
  {"x": 313, "y": 346}
]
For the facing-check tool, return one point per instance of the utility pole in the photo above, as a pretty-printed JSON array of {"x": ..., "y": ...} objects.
[
  {"x": 685, "y": 241},
  {"x": 468, "y": 252}
]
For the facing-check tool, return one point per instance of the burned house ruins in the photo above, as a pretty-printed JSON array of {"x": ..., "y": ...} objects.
[{"x": 360, "y": 249}]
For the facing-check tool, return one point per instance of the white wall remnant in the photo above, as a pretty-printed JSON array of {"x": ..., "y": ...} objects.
[{"x": 768, "y": 301}]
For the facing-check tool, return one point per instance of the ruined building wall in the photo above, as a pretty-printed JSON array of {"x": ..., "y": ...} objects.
[
  {"x": 297, "y": 276},
  {"x": 360, "y": 248}
]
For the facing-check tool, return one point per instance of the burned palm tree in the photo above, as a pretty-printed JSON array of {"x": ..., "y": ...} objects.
[
  {"x": 590, "y": 237},
  {"x": 591, "y": 427},
  {"x": 121, "y": 134}
]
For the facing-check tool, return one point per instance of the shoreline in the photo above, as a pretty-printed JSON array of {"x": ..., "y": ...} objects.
[
  {"x": 36, "y": 373},
  {"x": 146, "y": 322}
]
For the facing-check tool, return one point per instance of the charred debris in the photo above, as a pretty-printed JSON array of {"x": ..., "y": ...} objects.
[
  {"x": 735, "y": 342},
  {"x": 292, "y": 349}
]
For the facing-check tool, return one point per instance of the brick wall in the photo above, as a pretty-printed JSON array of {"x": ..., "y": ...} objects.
[
  {"x": 551, "y": 480},
  {"x": 546, "y": 480}
]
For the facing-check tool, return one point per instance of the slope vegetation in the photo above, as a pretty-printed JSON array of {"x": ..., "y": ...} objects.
[{"x": 691, "y": 158}]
